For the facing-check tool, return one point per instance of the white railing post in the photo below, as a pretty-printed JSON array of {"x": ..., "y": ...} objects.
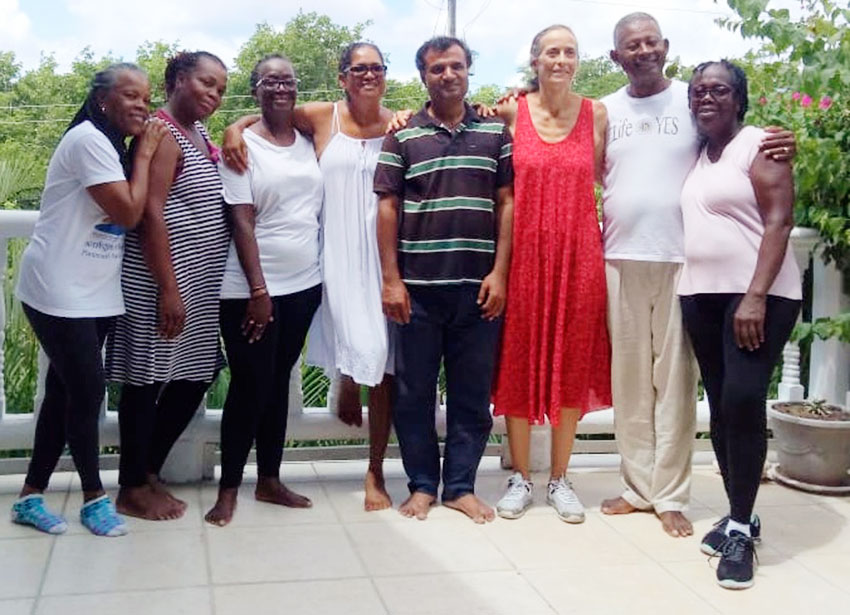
[
  {"x": 803, "y": 241},
  {"x": 829, "y": 374}
]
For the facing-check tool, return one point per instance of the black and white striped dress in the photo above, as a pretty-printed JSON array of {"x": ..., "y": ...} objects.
[{"x": 199, "y": 238}]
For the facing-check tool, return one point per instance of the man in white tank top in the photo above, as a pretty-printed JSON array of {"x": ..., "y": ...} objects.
[{"x": 652, "y": 145}]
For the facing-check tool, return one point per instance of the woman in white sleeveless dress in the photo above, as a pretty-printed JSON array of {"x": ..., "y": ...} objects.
[{"x": 349, "y": 335}]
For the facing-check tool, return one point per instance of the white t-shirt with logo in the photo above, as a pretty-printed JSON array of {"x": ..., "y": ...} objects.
[
  {"x": 72, "y": 265},
  {"x": 284, "y": 184},
  {"x": 652, "y": 144}
]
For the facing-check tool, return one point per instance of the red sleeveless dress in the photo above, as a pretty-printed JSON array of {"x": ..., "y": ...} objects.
[{"x": 555, "y": 350}]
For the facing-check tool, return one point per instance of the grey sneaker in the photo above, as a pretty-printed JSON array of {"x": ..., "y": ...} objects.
[
  {"x": 565, "y": 501},
  {"x": 517, "y": 498}
]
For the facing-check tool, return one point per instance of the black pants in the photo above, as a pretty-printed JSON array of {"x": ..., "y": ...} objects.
[
  {"x": 151, "y": 417},
  {"x": 73, "y": 392},
  {"x": 258, "y": 397},
  {"x": 736, "y": 382}
]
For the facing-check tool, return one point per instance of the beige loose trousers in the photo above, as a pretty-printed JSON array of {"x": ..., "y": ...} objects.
[{"x": 654, "y": 383}]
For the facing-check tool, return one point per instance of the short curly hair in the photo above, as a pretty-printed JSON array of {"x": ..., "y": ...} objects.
[
  {"x": 440, "y": 43},
  {"x": 737, "y": 79}
]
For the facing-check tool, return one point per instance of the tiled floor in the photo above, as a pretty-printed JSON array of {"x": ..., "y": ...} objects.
[{"x": 336, "y": 558}]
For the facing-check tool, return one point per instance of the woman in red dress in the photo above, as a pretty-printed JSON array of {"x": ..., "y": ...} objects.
[{"x": 555, "y": 356}]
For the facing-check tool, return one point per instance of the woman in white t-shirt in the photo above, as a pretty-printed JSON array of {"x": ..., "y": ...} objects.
[
  {"x": 70, "y": 284},
  {"x": 271, "y": 287}
]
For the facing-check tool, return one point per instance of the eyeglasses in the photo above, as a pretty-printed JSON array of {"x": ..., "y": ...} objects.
[
  {"x": 716, "y": 92},
  {"x": 362, "y": 69},
  {"x": 268, "y": 83}
]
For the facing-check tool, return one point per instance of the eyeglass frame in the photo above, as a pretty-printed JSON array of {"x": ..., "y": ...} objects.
[
  {"x": 700, "y": 92},
  {"x": 290, "y": 83},
  {"x": 375, "y": 69}
]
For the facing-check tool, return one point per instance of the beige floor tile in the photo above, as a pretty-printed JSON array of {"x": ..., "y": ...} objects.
[
  {"x": 16, "y": 607},
  {"x": 142, "y": 560},
  {"x": 707, "y": 489},
  {"x": 54, "y": 500},
  {"x": 545, "y": 541},
  {"x": 346, "y": 497},
  {"x": 834, "y": 568},
  {"x": 285, "y": 553},
  {"x": 251, "y": 513},
  {"x": 644, "y": 530},
  {"x": 191, "y": 519},
  {"x": 350, "y": 596},
  {"x": 22, "y": 565},
  {"x": 799, "y": 530},
  {"x": 355, "y": 469},
  {"x": 641, "y": 589},
  {"x": 781, "y": 587},
  {"x": 190, "y": 601},
  {"x": 491, "y": 593},
  {"x": 409, "y": 546}
]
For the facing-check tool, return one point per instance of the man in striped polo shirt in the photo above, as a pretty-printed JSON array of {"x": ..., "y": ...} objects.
[{"x": 445, "y": 187}]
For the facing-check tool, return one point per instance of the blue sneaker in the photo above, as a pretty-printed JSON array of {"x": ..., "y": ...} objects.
[
  {"x": 30, "y": 510},
  {"x": 100, "y": 518}
]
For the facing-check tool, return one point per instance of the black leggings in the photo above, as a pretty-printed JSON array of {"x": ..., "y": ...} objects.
[
  {"x": 736, "y": 382},
  {"x": 73, "y": 392},
  {"x": 258, "y": 397},
  {"x": 151, "y": 417}
]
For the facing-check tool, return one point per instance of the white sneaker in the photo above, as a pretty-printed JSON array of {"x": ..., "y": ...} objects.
[
  {"x": 565, "y": 501},
  {"x": 517, "y": 498}
]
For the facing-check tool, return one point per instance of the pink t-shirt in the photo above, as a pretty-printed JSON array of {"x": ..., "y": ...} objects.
[{"x": 723, "y": 226}]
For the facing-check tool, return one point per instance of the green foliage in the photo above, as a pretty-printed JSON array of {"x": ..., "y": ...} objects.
[
  {"x": 824, "y": 328},
  {"x": 598, "y": 77},
  {"x": 800, "y": 80},
  {"x": 20, "y": 349}
]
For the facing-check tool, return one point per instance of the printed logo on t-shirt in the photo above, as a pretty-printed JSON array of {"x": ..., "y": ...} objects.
[
  {"x": 105, "y": 243},
  {"x": 665, "y": 125}
]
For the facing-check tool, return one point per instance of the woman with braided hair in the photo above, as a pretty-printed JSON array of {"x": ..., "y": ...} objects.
[{"x": 70, "y": 286}]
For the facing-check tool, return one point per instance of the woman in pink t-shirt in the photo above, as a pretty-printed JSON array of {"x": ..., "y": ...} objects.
[{"x": 740, "y": 295}]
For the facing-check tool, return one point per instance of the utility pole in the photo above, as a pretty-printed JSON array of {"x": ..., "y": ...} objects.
[{"x": 452, "y": 17}]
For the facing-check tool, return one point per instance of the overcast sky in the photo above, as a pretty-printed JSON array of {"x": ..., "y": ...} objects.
[{"x": 500, "y": 31}]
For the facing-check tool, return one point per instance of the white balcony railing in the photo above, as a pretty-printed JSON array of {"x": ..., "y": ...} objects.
[{"x": 194, "y": 456}]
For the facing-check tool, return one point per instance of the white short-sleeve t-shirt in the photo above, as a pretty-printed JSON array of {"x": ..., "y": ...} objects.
[
  {"x": 284, "y": 184},
  {"x": 652, "y": 144},
  {"x": 72, "y": 265}
]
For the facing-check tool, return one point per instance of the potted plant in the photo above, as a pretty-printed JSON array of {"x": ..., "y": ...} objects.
[{"x": 813, "y": 445}]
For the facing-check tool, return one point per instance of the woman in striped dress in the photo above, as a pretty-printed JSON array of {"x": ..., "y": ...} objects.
[{"x": 165, "y": 349}]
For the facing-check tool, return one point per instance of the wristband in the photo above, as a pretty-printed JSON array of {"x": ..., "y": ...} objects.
[{"x": 258, "y": 291}]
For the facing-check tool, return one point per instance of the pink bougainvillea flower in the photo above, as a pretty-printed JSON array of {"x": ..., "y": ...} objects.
[
  {"x": 795, "y": 96},
  {"x": 825, "y": 103},
  {"x": 806, "y": 101},
  {"x": 762, "y": 101}
]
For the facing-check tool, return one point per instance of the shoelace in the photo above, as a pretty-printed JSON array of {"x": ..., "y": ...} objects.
[
  {"x": 564, "y": 488},
  {"x": 734, "y": 548},
  {"x": 516, "y": 488}
]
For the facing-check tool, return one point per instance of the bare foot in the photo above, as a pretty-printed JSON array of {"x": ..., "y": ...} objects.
[
  {"x": 145, "y": 503},
  {"x": 676, "y": 524},
  {"x": 617, "y": 506},
  {"x": 222, "y": 512},
  {"x": 473, "y": 507},
  {"x": 159, "y": 487},
  {"x": 417, "y": 505},
  {"x": 273, "y": 491},
  {"x": 377, "y": 497},
  {"x": 349, "y": 409}
]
